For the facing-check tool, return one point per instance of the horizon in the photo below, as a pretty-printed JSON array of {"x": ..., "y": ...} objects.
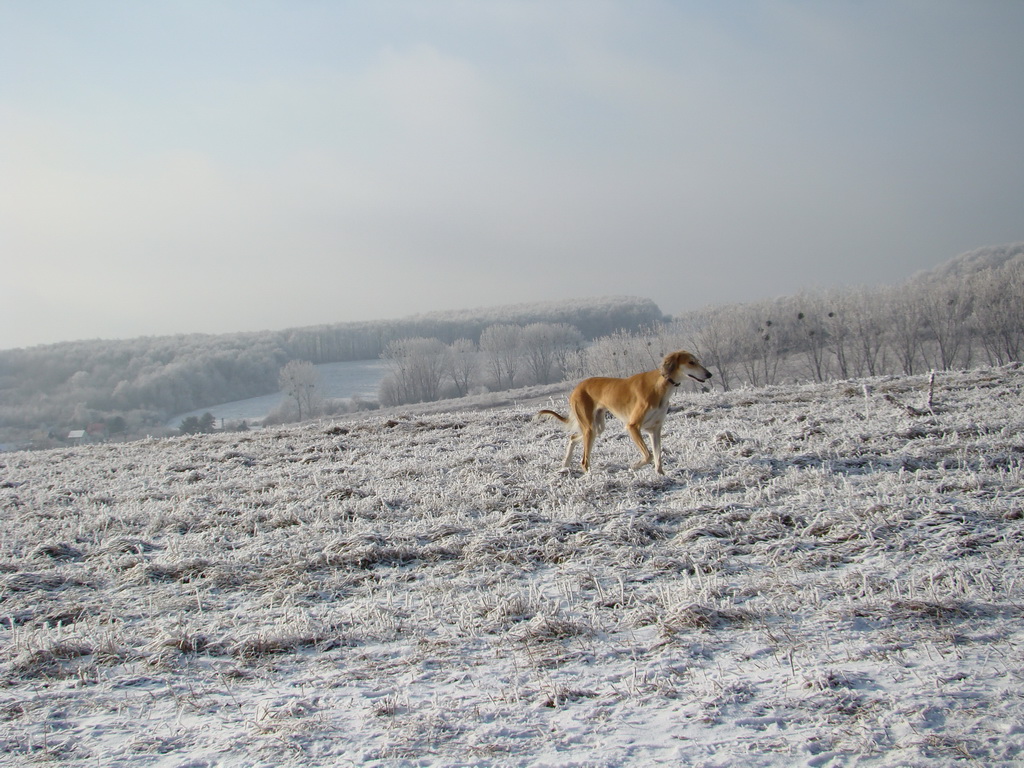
[
  {"x": 483, "y": 309},
  {"x": 440, "y": 314},
  {"x": 221, "y": 167}
]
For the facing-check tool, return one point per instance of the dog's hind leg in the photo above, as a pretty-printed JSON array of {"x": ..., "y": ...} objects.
[
  {"x": 588, "y": 421},
  {"x": 570, "y": 450},
  {"x": 588, "y": 444}
]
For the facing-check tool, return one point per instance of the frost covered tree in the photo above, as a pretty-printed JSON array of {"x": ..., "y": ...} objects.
[
  {"x": 998, "y": 316},
  {"x": 945, "y": 309},
  {"x": 904, "y": 328},
  {"x": 812, "y": 330},
  {"x": 716, "y": 337},
  {"x": 546, "y": 348},
  {"x": 863, "y": 318},
  {"x": 760, "y": 351},
  {"x": 501, "y": 346},
  {"x": 300, "y": 383},
  {"x": 417, "y": 369},
  {"x": 619, "y": 354},
  {"x": 464, "y": 365}
]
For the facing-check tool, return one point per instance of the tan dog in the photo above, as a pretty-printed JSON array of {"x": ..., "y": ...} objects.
[{"x": 640, "y": 402}]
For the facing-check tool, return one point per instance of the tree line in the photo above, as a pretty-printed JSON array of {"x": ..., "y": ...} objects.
[
  {"x": 967, "y": 313},
  {"x": 47, "y": 390},
  {"x": 506, "y": 356},
  {"x": 954, "y": 318},
  {"x": 943, "y": 323}
]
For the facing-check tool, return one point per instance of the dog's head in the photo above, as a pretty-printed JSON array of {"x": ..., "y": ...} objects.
[{"x": 682, "y": 363}]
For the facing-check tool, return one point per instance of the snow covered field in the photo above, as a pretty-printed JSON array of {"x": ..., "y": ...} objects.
[{"x": 827, "y": 575}]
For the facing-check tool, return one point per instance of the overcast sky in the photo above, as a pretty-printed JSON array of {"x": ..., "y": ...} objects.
[{"x": 174, "y": 167}]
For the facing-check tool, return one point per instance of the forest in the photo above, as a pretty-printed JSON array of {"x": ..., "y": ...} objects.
[
  {"x": 127, "y": 388},
  {"x": 967, "y": 312}
]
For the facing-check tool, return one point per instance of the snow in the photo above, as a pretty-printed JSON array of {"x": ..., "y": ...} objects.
[{"x": 827, "y": 575}]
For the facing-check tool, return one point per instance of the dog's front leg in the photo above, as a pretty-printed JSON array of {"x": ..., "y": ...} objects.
[
  {"x": 656, "y": 443},
  {"x": 638, "y": 438}
]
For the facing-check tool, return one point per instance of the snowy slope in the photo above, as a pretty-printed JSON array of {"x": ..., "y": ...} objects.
[{"x": 827, "y": 576}]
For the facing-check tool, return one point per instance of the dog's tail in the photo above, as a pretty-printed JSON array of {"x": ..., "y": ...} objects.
[{"x": 546, "y": 414}]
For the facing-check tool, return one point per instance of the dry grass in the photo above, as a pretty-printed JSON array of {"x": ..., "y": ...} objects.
[{"x": 817, "y": 566}]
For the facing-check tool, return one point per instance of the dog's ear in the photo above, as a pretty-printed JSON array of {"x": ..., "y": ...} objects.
[{"x": 671, "y": 363}]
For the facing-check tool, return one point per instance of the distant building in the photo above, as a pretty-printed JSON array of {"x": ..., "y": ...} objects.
[{"x": 94, "y": 433}]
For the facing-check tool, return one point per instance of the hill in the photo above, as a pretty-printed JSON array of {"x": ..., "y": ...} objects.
[
  {"x": 972, "y": 262},
  {"x": 828, "y": 575}
]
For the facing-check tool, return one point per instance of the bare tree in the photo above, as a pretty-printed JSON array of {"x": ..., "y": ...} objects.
[
  {"x": 501, "y": 346},
  {"x": 944, "y": 312},
  {"x": 568, "y": 347},
  {"x": 864, "y": 318},
  {"x": 903, "y": 317},
  {"x": 760, "y": 344},
  {"x": 812, "y": 331},
  {"x": 998, "y": 316},
  {"x": 546, "y": 347},
  {"x": 418, "y": 367},
  {"x": 300, "y": 382},
  {"x": 464, "y": 361},
  {"x": 619, "y": 354},
  {"x": 716, "y": 337}
]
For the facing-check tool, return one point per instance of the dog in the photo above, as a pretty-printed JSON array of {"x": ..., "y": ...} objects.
[{"x": 640, "y": 402}]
